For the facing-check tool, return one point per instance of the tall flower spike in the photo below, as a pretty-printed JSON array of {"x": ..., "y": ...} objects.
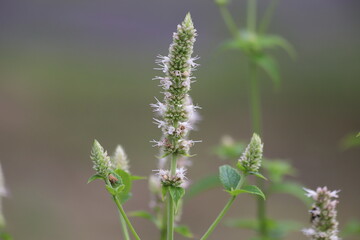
[
  {"x": 250, "y": 161},
  {"x": 119, "y": 160},
  {"x": 176, "y": 113},
  {"x": 323, "y": 215},
  {"x": 100, "y": 159}
]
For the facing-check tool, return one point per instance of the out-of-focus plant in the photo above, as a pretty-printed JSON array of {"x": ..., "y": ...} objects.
[
  {"x": 254, "y": 42},
  {"x": 3, "y": 193}
]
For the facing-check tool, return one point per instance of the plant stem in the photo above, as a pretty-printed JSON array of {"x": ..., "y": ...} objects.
[
  {"x": 229, "y": 21},
  {"x": 223, "y": 211},
  {"x": 124, "y": 228},
  {"x": 123, "y": 214},
  {"x": 255, "y": 100},
  {"x": 251, "y": 16},
  {"x": 164, "y": 222},
  {"x": 170, "y": 203}
]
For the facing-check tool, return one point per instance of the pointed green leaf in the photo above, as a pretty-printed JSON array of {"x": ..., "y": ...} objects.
[
  {"x": 229, "y": 177},
  {"x": 252, "y": 189},
  {"x": 126, "y": 180},
  {"x": 145, "y": 215},
  {"x": 94, "y": 177},
  {"x": 270, "y": 66},
  {"x": 176, "y": 194},
  {"x": 277, "y": 169},
  {"x": 292, "y": 188},
  {"x": 202, "y": 185},
  {"x": 111, "y": 190},
  {"x": 164, "y": 191},
  {"x": 259, "y": 175},
  {"x": 247, "y": 223},
  {"x": 350, "y": 141},
  {"x": 134, "y": 178},
  {"x": 184, "y": 231},
  {"x": 272, "y": 41}
]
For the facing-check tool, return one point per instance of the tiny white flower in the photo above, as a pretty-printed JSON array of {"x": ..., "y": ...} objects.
[
  {"x": 160, "y": 123},
  {"x": 159, "y": 107}
]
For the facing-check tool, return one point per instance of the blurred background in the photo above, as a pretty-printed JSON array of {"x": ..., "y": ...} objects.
[{"x": 72, "y": 71}]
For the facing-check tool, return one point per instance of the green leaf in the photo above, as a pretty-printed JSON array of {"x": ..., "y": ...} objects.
[
  {"x": 236, "y": 43},
  {"x": 184, "y": 231},
  {"x": 202, "y": 185},
  {"x": 229, "y": 177},
  {"x": 134, "y": 178},
  {"x": 292, "y": 188},
  {"x": 259, "y": 175},
  {"x": 111, "y": 190},
  {"x": 272, "y": 41},
  {"x": 176, "y": 194},
  {"x": 246, "y": 223},
  {"x": 252, "y": 189},
  {"x": 350, "y": 141},
  {"x": 277, "y": 229},
  {"x": 5, "y": 236},
  {"x": 270, "y": 66},
  {"x": 125, "y": 194},
  {"x": 164, "y": 191},
  {"x": 351, "y": 228},
  {"x": 145, "y": 215},
  {"x": 277, "y": 169},
  {"x": 94, "y": 177}
]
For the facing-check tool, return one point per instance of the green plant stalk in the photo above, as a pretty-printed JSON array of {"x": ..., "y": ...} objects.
[
  {"x": 122, "y": 213},
  {"x": 170, "y": 203},
  {"x": 255, "y": 100},
  {"x": 223, "y": 211},
  {"x": 124, "y": 228},
  {"x": 163, "y": 228}
]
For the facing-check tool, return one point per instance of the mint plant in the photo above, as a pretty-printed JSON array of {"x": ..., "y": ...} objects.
[{"x": 175, "y": 117}]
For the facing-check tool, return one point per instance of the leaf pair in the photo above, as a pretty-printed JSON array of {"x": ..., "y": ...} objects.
[{"x": 230, "y": 178}]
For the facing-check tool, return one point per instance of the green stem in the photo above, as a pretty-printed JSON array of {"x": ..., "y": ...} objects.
[
  {"x": 123, "y": 214},
  {"x": 164, "y": 222},
  {"x": 124, "y": 228},
  {"x": 223, "y": 211},
  {"x": 261, "y": 213},
  {"x": 229, "y": 21},
  {"x": 256, "y": 125},
  {"x": 170, "y": 203},
  {"x": 266, "y": 20},
  {"x": 255, "y": 100},
  {"x": 251, "y": 16}
]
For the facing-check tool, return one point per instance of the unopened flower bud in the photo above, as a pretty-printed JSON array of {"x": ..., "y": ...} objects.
[{"x": 250, "y": 161}]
